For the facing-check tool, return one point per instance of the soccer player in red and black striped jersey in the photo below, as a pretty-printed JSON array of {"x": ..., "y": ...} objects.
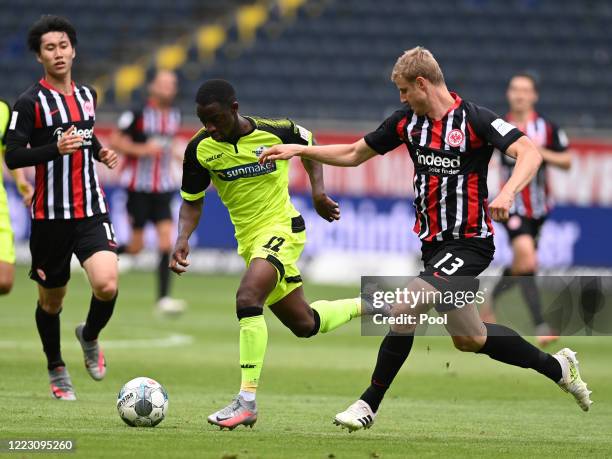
[
  {"x": 531, "y": 205},
  {"x": 450, "y": 141},
  {"x": 56, "y": 117},
  {"x": 145, "y": 135}
]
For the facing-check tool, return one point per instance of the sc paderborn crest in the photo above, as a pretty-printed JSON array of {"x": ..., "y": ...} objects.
[
  {"x": 259, "y": 150},
  {"x": 455, "y": 138}
]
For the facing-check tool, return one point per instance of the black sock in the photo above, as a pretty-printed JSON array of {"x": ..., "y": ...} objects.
[
  {"x": 49, "y": 330},
  {"x": 163, "y": 275},
  {"x": 121, "y": 249},
  {"x": 505, "y": 283},
  {"x": 505, "y": 345},
  {"x": 531, "y": 295},
  {"x": 392, "y": 354},
  {"x": 99, "y": 314}
]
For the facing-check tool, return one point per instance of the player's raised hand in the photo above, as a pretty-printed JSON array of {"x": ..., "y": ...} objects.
[
  {"x": 500, "y": 207},
  {"x": 276, "y": 152},
  {"x": 179, "y": 262},
  {"x": 69, "y": 142},
  {"x": 109, "y": 157},
  {"x": 326, "y": 207}
]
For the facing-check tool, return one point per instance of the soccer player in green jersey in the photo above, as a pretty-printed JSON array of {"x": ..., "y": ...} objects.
[
  {"x": 270, "y": 231},
  {"x": 7, "y": 245}
]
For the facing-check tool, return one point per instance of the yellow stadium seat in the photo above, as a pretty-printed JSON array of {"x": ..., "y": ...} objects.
[
  {"x": 249, "y": 19},
  {"x": 128, "y": 78}
]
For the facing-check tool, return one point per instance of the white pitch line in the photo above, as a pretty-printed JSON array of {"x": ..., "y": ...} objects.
[{"x": 174, "y": 340}]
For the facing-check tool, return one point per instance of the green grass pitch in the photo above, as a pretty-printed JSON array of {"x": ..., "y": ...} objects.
[{"x": 443, "y": 403}]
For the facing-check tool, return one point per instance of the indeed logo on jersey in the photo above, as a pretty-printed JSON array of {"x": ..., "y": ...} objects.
[
  {"x": 86, "y": 134},
  {"x": 439, "y": 164},
  {"x": 245, "y": 171}
]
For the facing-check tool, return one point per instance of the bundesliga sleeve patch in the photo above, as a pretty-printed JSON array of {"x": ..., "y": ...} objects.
[
  {"x": 125, "y": 120},
  {"x": 13, "y": 124},
  {"x": 501, "y": 126},
  {"x": 304, "y": 133}
]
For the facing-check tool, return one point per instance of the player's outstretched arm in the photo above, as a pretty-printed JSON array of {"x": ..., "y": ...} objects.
[
  {"x": 189, "y": 217},
  {"x": 342, "y": 155},
  {"x": 18, "y": 154},
  {"x": 528, "y": 160},
  {"x": 326, "y": 207},
  {"x": 562, "y": 160}
]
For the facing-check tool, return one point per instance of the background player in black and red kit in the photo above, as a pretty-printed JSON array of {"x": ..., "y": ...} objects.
[
  {"x": 146, "y": 135},
  {"x": 56, "y": 117},
  {"x": 450, "y": 142},
  {"x": 531, "y": 205}
]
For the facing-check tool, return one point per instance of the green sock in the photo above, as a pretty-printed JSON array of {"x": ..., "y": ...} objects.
[
  {"x": 336, "y": 313},
  {"x": 253, "y": 342}
]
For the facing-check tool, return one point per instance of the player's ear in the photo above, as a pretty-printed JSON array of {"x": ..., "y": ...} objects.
[
  {"x": 234, "y": 106},
  {"x": 420, "y": 83}
]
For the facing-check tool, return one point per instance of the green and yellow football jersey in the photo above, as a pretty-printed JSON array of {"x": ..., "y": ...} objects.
[
  {"x": 5, "y": 113},
  {"x": 256, "y": 195}
]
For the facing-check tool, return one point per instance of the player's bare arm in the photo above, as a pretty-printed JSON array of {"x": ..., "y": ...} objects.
[
  {"x": 562, "y": 160},
  {"x": 25, "y": 188},
  {"x": 189, "y": 217},
  {"x": 123, "y": 143},
  {"x": 326, "y": 207},
  {"x": 342, "y": 155},
  {"x": 528, "y": 160}
]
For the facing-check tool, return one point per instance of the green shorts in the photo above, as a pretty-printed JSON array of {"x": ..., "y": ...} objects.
[
  {"x": 282, "y": 246},
  {"x": 7, "y": 241}
]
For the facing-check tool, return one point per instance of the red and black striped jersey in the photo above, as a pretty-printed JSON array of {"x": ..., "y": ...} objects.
[
  {"x": 451, "y": 158},
  {"x": 66, "y": 187},
  {"x": 533, "y": 200},
  {"x": 150, "y": 173}
]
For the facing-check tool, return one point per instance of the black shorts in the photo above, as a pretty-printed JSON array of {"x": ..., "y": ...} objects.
[
  {"x": 518, "y": 225},
  {"x": 143, "y": 207},
  {"x": 454, "y": 265},
  {"x": 52, "y": 243}
]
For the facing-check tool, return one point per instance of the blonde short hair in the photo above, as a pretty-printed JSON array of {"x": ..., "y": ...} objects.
[{"x": 417, "y": 62}]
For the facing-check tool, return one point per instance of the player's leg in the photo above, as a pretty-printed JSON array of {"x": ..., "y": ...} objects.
[
  {"x": 322, "y": 316},
  {"x": 393, "y": 352},
  {"x": 162, "y": 217},
  {"x": 7, "y": 277},
  {"x": 7, "y": 255},
  {"x": 51, "y": 246},
  {"x": 95, "y": 249},
  {"x": 503, "y": 344},
  {"x": 138, "y": 209},
  {"x": 525, "y": 265},
  {"x": 259, "y": 280}
]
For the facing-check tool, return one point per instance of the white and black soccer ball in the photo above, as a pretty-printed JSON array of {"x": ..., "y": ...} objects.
[{"x": 142, "y": 402}]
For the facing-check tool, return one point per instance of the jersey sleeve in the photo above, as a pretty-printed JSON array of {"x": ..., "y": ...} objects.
[
  {"x": 557, "y": 139},
  {"x": 22, "y": 122},
  {"x": 5, "y": 116},
  {"x": 196, "y": 177},
  {"x": 127, "y": 122},
  {"x": 387, "y": 137},
  {"x": 492, "y": 128}
]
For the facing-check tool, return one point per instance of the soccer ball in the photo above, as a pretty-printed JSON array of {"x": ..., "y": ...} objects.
[{"x": 142, "y": 402}]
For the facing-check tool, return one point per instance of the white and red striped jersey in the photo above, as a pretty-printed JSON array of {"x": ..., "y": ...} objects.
[
  {"x": 451, "y": 158},
  {"x": 147, "y": 173},
  {"x": 533, "y": 201},
  {"x": 66, "y": 187}
]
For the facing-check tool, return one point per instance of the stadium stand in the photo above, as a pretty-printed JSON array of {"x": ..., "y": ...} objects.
[{"x": 326, "y": 59}]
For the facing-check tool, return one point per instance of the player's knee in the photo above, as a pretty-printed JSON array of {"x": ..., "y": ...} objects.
[
  {"x": 468, "y": 343},
  {"x": 247, "y": 297},
  {"x": 303, "y": 328},
  {"x": 106, "y": 289},
  {"x": 6, "y": 280},
  {"x": 6, "y": 285},
  {"x": 51, "y": 305}
]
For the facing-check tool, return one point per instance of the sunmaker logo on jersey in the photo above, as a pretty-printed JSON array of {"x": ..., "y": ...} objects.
[{"x": 245, "y": 171}]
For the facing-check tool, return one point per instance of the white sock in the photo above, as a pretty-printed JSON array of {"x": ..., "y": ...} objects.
[{"x": 248, "y": 396}]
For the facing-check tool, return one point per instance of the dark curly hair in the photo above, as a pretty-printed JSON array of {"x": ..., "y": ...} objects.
[{"x": 50, "y": 23}]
